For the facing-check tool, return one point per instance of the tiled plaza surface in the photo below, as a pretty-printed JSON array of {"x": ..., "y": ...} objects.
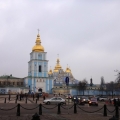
[
  {"x": 45, "y": 116},
  {"x": 58, "y": 117}
]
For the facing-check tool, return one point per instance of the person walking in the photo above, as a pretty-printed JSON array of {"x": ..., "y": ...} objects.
[
  {"x": 114, "y": 102},
  {"x": 38, "y": 96},
  {"x": 44, "y": 97}
]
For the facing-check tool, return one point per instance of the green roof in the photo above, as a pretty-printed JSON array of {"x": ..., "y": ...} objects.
[{"x": 8, "y": 77}]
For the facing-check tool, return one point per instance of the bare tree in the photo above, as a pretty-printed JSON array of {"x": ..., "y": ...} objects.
[
  {"x": 102, "y": 84},
  {"x": 118, "y": 76},
  {"x": 111, "y": 87},
  {"x": 82, "y": 85},
  {"x": 117, "y": 81}
]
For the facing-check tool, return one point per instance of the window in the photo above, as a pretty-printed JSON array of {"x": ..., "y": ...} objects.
[
  {"x": 8, "y": 83},
  {"x": 3, "y": 83},
  {"x": 59, "y": 99},
  {"x": 40, "y": 68},
  {"x": 31, "y": 56},
  {"x": 39, "y": 56},
  {"x": 54, "y": 99}
]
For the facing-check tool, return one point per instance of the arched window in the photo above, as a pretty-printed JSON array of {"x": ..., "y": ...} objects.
[
  {"x": 40, "y": 68},
  {"x": 39, "y": 56}
]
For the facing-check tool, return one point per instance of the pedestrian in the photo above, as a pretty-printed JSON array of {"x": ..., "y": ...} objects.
[
  {"x": 114, "y": 102},
  {"x": 38, "y": 96},
  {"x": 44, "y": 97},
  {"x": 110, "y": 101},
  {"x": 17, "y": 96},
  {"x": 118, "y": 102},
  {"x": 59, "y": 94}
]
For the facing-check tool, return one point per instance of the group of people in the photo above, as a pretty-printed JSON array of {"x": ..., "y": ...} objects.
[
  {"x": 56, "y": 94},
  {"x": 115, "y": 101},
  {"x": 22, "y": 96}
]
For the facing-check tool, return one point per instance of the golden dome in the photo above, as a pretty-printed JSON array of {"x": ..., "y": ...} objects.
[
  {"x": 55, "y": 70},
  {"x": 38, "y": 47},
  {"x": 58, "y": 66},
  {"x": 50, "y": 72},
  {"x": 68, "y": 70}
]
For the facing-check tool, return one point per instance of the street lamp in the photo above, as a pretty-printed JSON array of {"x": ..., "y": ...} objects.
[{"x": 67, "y": 83}]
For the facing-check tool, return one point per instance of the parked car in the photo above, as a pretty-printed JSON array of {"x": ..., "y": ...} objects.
[
  {"x": 55, "y": 100},
  {"x": 85, "y": 99},
  {"x": 103, "y": 98},
  {"x": 68, "y": 96},
  {"x": 97, "y": 97},
  {"x": 78, "y": 99},
  {"x": 112, "y": 99},
  {"x": 93, "y": 101}
]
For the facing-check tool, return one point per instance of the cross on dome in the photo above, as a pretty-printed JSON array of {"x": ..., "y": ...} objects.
[{"x": 38, "y": 31}]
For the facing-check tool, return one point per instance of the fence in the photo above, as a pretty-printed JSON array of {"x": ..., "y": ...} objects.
[
  {"x": 20, "y": 98},
  {"x": 59, "y": 106}
]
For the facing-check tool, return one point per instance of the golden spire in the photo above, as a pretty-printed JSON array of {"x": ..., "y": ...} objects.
[
  {"x": 58, "y": 66},
  {"x": 68, "y": 70},
  {"x": 50, "y": 72},
  {"x": 38, "y": 47}
]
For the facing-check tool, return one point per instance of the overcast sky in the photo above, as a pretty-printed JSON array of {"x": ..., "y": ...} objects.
[{"x": 85, "y": 34}]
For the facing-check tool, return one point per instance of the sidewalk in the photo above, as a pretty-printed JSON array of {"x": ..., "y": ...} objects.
[{"x": 59, "y": 117}]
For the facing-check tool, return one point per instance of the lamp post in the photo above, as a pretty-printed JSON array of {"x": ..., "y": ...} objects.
[{"x": 67, "y": 83}]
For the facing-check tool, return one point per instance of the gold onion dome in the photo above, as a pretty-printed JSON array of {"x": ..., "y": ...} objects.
[
  {"x": 68, "y": 70},
  {"x": 50, "y": 72},
  {"x": 58, "y": 66},
  {"x": 38, "y": 47}
]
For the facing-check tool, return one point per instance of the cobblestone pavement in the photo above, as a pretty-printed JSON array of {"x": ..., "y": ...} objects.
[
  {"x": 47, "y": 114},
  {"x": 29, "y": 117},
  {"x": 58, "y": 117}
]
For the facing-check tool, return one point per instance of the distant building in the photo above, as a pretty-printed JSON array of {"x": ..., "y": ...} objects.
[{"x": 10, "y": 84}]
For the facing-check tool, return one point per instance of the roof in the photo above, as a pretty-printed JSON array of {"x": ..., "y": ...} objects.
[{"x": 8, "y": 77}]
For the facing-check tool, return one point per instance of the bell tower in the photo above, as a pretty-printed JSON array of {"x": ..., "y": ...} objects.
[{"x": 37, "y": 67}]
